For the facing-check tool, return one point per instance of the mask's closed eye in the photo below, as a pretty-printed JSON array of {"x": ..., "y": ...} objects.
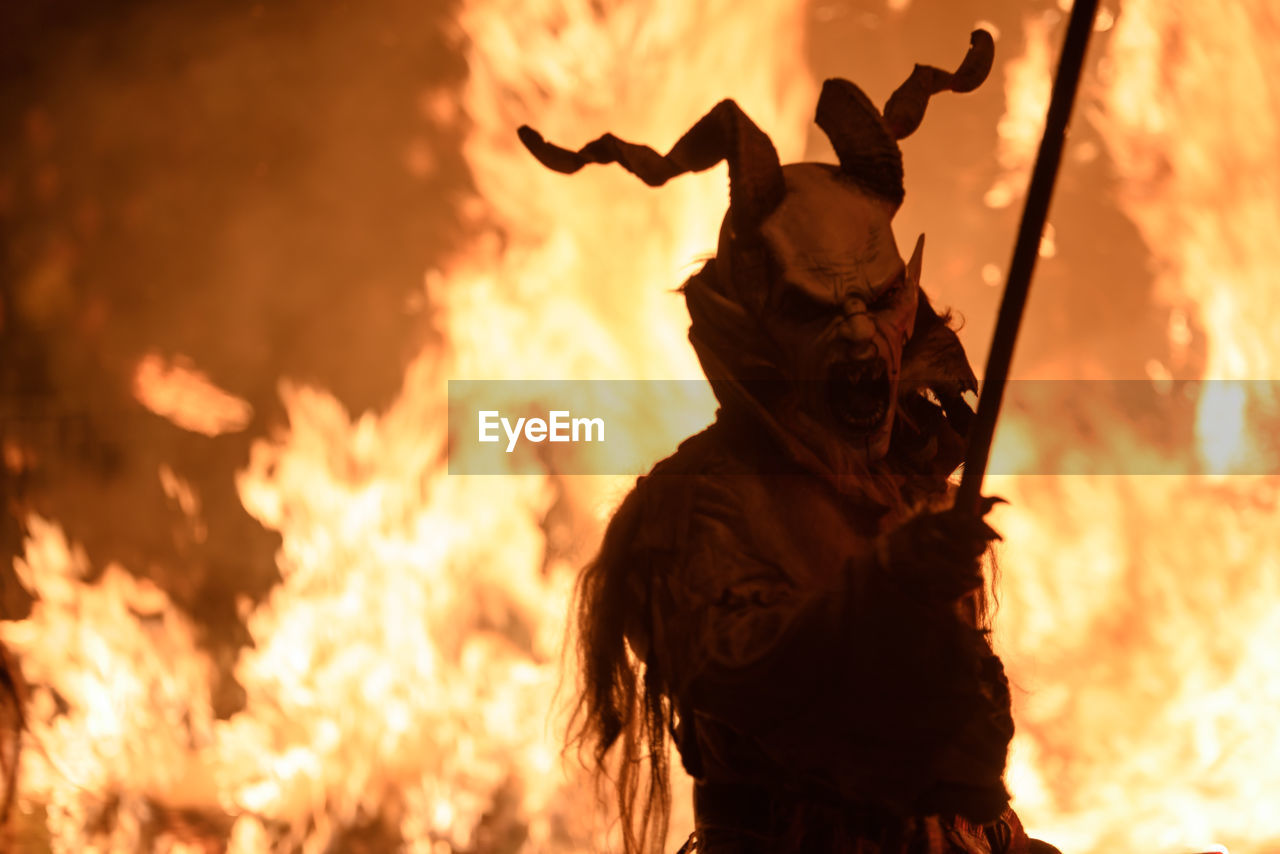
[
  {"x": 800, "y": 306},
  {"x": 890, "y": 294}
]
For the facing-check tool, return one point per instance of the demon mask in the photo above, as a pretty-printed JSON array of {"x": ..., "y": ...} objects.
[{"x": 807, "y": 317}]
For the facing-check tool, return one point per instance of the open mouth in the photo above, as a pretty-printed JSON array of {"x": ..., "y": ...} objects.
[{"x": 859, "y": 394}]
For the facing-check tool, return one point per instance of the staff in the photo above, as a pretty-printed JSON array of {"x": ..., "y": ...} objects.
[{"x": 1025, "y": 251}]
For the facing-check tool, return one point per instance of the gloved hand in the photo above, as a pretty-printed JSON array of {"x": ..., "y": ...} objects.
[{"x": 938, "y": 556}]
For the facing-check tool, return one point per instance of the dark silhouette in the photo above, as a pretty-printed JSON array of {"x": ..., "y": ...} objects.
[{"x": 782, "y": 596}]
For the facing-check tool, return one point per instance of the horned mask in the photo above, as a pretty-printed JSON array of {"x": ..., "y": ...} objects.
[{"x": 807, "y": 316}]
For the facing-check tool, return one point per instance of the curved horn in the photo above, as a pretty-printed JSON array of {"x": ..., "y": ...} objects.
[
  {"x": 868, "y": 152},
  {"x": 867, "y": 142},
  {"x": 905, "y": 107},
  {"x": 725, "y": 133}
]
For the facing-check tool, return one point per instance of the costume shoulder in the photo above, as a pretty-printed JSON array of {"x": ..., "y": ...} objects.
[
  {"x": 664, "y": 503},
  {"x": 655, "y": 529}
]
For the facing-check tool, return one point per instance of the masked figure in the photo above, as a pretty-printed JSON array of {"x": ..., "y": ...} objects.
[{"x": 782, "y": 597}]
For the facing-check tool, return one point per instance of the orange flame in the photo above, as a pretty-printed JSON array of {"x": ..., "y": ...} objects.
[
  {"x": 405, "y": 671},
  {"x": 1139, "y": 611},
  {"x": 187, "y": 397}
]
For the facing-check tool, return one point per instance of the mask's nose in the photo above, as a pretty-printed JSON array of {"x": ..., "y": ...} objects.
[{"x": 859, "y": 332}]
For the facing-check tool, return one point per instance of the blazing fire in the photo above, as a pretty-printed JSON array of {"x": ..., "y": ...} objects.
[
  {"x": 1141, "y": 622},
  {"x": 404, "y": 686}
]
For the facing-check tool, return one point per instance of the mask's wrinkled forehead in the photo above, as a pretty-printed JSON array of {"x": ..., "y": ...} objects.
[{"x": 830, "y": 238}]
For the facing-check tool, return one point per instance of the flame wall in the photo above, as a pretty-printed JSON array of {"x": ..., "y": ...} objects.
[{"x": 391, "y": 679}]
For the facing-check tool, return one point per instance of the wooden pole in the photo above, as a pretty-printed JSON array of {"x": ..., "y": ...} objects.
[{"x": 1025, "y": 250}]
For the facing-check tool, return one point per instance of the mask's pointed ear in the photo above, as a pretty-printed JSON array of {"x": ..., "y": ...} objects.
[
  {"x": 934, "y": 359},
  {"x": 914, "y": 265}
]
